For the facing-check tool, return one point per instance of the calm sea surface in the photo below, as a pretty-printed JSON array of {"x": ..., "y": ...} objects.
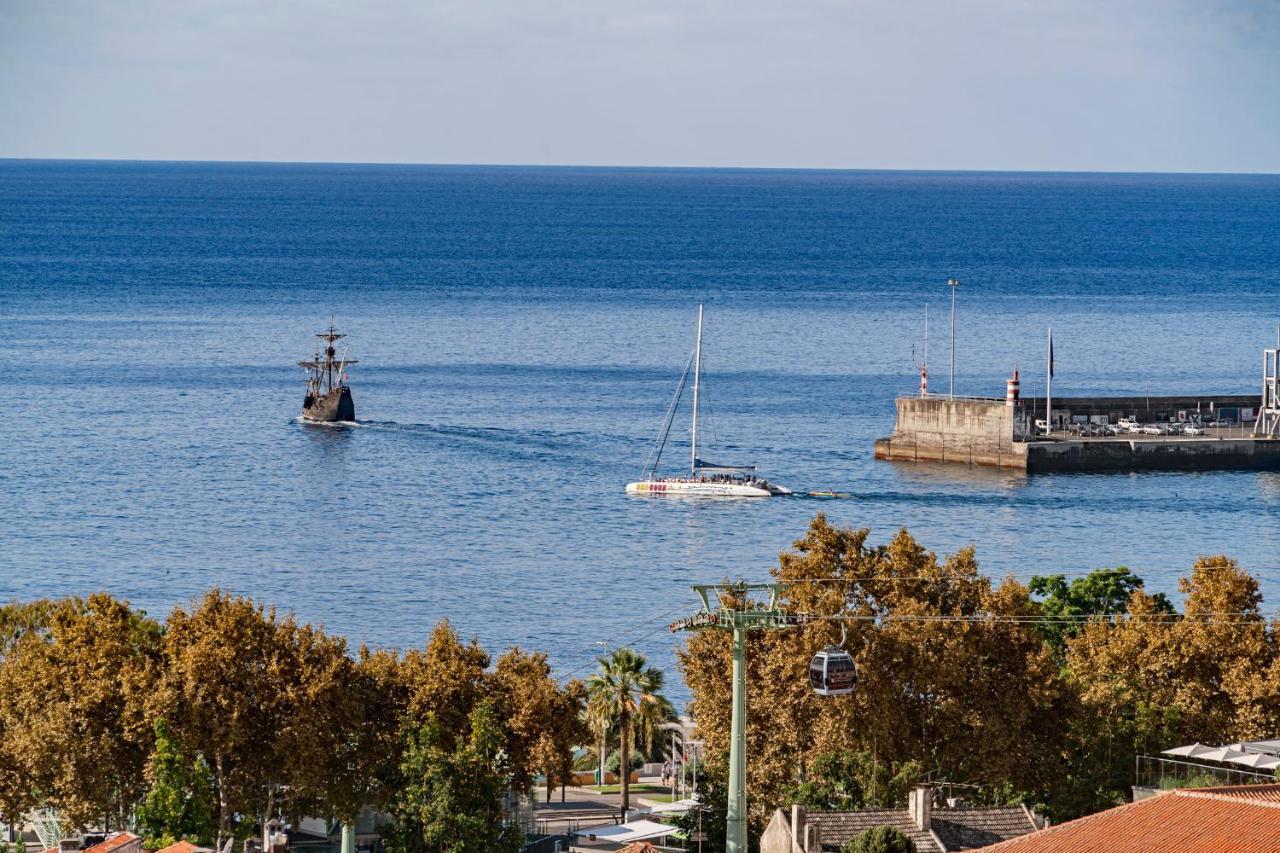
[{"x": 520, "y": 333}]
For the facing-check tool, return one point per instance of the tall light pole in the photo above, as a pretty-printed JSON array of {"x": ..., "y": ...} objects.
[{"x": 953, "y": 283}]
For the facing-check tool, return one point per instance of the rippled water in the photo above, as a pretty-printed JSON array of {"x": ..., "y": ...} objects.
[{"x": 520, "y": 333}]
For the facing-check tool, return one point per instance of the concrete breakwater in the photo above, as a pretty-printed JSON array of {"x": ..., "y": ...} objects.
[{"x": 988, "y": 432}]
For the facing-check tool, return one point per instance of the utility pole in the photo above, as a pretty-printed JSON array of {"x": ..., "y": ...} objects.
[
  {"x": 737, "y": 613},
  {"x": 953, "y": 283}
]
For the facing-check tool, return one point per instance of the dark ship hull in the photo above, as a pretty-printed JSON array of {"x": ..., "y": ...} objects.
[{"x": 337, "y": 405}]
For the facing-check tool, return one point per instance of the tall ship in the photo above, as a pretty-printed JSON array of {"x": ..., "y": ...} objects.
[
  {"x": 704, "y": 479},
  {"x": 328, "y": 397}
]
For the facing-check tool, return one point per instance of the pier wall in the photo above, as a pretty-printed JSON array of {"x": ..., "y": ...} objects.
[
  {"x": 1155, "y": 454},
  {"x": 981, "y": 432},
  {"x": 937, "y": 429}
]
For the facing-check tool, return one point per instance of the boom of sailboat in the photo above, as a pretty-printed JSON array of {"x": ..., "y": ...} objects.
[{"x": 704, "y": 479}]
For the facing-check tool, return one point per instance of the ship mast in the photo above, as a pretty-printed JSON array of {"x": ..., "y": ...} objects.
[
  {"x": 322, "y": 367},
  {"x": 697, "y": 373}
]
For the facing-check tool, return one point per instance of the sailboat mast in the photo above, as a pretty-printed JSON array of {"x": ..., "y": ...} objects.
[{"x": 697, "y": 375}]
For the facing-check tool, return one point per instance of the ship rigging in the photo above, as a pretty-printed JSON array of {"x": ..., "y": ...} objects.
[{"x": 328, "y": 397}]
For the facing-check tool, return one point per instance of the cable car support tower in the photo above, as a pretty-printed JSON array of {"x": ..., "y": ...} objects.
[{"x": 735, "y": 611}]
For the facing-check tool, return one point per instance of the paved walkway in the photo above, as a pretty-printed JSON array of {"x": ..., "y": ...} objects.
[{"x": 584, "y": 808}]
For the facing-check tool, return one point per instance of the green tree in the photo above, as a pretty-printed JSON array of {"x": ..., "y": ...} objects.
[
  {"x": 710, "y": 816},
  {"x": 179, "y": 800},
  {"x": 627, "y": 692},
  {"x": 1102, "y": 591},
  {"x": 451, "y": 799},
  {"x": 882, "y": 839},
  {"x": 851, "y": 779}
]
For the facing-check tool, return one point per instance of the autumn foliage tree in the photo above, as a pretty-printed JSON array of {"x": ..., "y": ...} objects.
[
  {"x": 458, "y": 714},
  {"x": 1046, "y": 699},
  {"x": 229, "y": 715},
  {"x": 71, "y": 711},
  {"x": 945, "y": 678},
  {"x": 1148, "y": 679}
]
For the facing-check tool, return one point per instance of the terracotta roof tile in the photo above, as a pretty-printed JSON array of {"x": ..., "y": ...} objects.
[
  {"x": 183, "y": 846},
  {"x": 1241, "y": 819},
  {"x": 113, "y": 843}
]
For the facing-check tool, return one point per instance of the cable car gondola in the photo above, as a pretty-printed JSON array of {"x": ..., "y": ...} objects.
[{"x": 832, "y": 672}]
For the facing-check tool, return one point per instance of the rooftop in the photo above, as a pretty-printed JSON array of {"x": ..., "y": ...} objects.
[
  {"x": 961, "y": 828},
  {"x": 1229, "y": 819},
  {"x": 113, "y": 843}
]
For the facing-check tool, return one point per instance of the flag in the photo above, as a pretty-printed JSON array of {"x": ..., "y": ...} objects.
[{"x": 1051, "y": 353}]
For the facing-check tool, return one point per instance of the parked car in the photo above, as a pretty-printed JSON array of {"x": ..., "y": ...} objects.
[
  {"x": 1127, "y": 424},
  {"x": 1192, "y": 429},
  {"x": 1152, "y": 429}
]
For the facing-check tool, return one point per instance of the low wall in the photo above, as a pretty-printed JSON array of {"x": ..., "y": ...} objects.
[
  {"x": 588, "y": 777},
  {"x": 1155, "y": 454},
  {"x": 937, "y": 429}
]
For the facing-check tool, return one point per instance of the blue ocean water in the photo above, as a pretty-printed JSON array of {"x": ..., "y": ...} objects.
[{"x": 520, "y": 332}]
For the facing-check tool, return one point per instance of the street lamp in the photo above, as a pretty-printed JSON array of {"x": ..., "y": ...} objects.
[{"x": 953, "y": 283}]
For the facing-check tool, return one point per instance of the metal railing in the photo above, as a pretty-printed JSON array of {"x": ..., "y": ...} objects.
[
  {"x": 958, "y": 397},
  {"x": 1151, "y": 771}
]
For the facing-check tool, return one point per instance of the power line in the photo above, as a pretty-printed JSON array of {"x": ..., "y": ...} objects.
[
  {"x": 1153, "y": 618},
  {"x": 642, "y": 622},
  {"x": 1241, "y": 618}
]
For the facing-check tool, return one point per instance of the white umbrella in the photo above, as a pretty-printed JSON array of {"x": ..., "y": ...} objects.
[
  {"x": 1260, "y": 760},
  {"x": 1270, "y": 746},
  {"x": 1222, "y": 753},
  {"x": 624, "y": 833},
  {"x": 1194, "y": 750}
]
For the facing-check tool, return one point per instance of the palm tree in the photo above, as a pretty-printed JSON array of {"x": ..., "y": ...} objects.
[{"x": 626, "y": 694}]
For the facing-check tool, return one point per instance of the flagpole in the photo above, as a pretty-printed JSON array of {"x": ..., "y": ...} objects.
[
  {"x": 1048, "y": 394},
  {"x": 953, "y": 283}
]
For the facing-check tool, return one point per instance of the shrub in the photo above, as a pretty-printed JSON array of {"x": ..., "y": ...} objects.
[{"x": 882, "y": 839}]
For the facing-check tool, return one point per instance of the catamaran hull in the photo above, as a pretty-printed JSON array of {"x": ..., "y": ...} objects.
[
  {"x": 337, "y": 405},
  {"x": 697, "y": 490}
]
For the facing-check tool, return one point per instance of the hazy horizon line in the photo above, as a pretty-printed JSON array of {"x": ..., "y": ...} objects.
[{"x": 631, "y": 166}]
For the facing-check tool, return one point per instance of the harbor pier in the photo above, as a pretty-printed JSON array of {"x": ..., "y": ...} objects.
[{"x": 1084, "y": 434}]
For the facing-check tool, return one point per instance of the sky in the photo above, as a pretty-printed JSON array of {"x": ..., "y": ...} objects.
[{"x": 1109, "y": 85}]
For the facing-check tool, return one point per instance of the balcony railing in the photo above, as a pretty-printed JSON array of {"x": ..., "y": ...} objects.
[{"x": 1166, "y": 773}]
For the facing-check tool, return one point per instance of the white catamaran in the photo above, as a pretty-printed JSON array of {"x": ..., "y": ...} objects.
[{"x": 705, "y": 479}]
